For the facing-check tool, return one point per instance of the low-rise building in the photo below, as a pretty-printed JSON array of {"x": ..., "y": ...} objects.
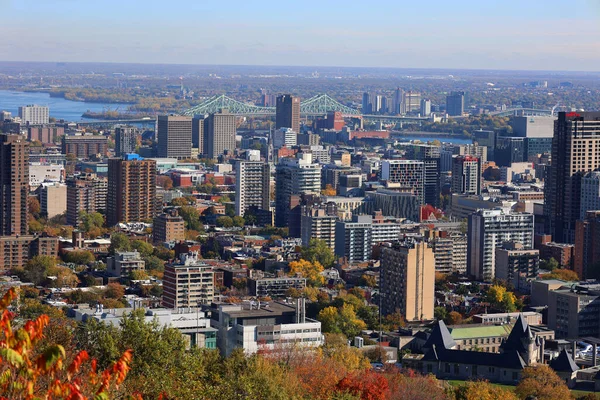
[
  {"x": 266, "y": 326},
  {"x": 274, "y": 287},
  {"x": 122, "y": 264},
  {"x": 191, "y": 322}
]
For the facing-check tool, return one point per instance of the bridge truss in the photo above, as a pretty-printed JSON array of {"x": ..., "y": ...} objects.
[{"x": 318, "y": 105}]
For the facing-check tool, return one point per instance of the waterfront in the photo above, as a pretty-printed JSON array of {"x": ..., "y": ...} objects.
[{"x": 60, "y": 108}]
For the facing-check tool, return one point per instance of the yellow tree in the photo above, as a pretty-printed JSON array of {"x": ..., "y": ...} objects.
[
  {"x": 328, "y": 191},
  {"x": 481, "y": 390},
  {"x": 542, "y": 383},
  {"x": 309, "y": 270}
]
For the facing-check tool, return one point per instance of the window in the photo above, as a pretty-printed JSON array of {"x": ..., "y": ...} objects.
[
  {"x": 429, "y": 368},
  {"x": 447, "y": 368}
]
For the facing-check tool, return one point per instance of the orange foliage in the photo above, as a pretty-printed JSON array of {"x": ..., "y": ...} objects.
[
  {"x": 28, "y": 371},
  {"x": 368, "y": 385}
]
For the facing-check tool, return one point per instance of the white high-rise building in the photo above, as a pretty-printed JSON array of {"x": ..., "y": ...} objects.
[
  {"x": 284, "y": 137},
  {"x": 253, "y": 186},
  {"x": 34, "y": 114},
  {"x": 490, "y": 229},
  {"x": 590, "y": 193},
  {"x": 466, "y": 175},
  {"x": 294, "y": 176}
]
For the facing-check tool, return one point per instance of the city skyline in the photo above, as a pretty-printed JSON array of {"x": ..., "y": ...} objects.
[{"x": 469, "y": 36}]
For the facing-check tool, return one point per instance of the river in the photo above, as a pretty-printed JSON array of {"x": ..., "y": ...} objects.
[{"x": 59, "y": 108}]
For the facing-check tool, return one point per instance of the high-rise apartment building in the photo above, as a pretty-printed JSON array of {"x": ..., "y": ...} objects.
[
  {"x": 517, "y": 265},
  {"x": 466, "y": 175},
  {"x": 87, "y": 193},
  {"x": 45, "y": 133},
  {"x": 189, "y": 283},
  {"x": 294, "y": 176},
  {"x": 489, "y": 229},
  {"x": 34, "y": 114},
  {"x": 14, "y": 185},
  {"x": 475, "y": 150},
  {"x": 575, "y": 151},
  {"x": 353, "y": 239},
  {"x": 455, "y": 104},
  {"x": 408, "y": 280},
  {"x": 287, "y": 114},
  {"x": 587, "y": 244},
  {"x": 125, "y": 140},
  {"x": 174, "y": 136},
  {"x": 318, "y": 224},
  {"x": 168, "y": 227},
  {"x": 406, "y": 173},
  {"x": 253, "y": 186},
  {"x": 131, "y": 190},
  {"x": 219, "y": 133},
  {"x": 430, "y": 155},
  {"x": 85, "y": 146},
  {"x": 53, "y": 199}
]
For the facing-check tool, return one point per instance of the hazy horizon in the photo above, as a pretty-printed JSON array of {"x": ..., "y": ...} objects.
[{"x": 512, "y": 35}]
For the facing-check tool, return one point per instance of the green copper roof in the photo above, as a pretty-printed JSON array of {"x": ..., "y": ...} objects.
[{"x": 480, "y": 331}]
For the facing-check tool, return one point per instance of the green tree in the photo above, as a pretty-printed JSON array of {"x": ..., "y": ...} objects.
[
  {"x": 119, "y": 242},
  {"x": 341, "y": 320},
  {"x": 238, "y": 221},
  {"x": 144, "y": 248},
  {"x": 440, "y": 313},
  {"x": 79, "y": 257},
  {"x": 225, "y": 222},
  {"x": 90, "y": 221},
  {"x": 318, "y": 250},
  {"x": 191, "y": 216},
  {"x": 36, "y": 269}
]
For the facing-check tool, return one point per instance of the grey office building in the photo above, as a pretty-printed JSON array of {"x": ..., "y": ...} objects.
[
  {"x": 219, "y": 131},
  {"x": 174, "y": 136}
]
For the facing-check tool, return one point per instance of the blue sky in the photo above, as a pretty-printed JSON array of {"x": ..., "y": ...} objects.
[{"x": 494, "y": 34}]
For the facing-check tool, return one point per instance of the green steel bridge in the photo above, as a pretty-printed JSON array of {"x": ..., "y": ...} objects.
[{"x": 320, "y": 104}]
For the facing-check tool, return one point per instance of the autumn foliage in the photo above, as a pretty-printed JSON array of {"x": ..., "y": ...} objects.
[{"x": 30, "y": 372}]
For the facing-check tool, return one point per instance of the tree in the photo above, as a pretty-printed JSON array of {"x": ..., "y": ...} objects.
[
  {"x": 91, "y": 223},
  {"x": 36, "y": 269},
  {"x": 80, "y": 257},
  {"x": 225, "y": 222},
  {"x": 138, "y": 275},
  {"x": 164, "y": 181},
  {"x": 367, "y": 385},
  {"x": 328, "y": 191},
  {"x": 482, "y": 390},
  {"x": 154, "y": 263},
  {"x": 114, "y": 291},
  {"x": 239, "y": 221},
  {"x": 33, "y": 367},
  {"x": 368, "y": 280},
  {"x": 309, "y": 270},
  {"x": 318, "y": 250},
  {"x": 440, "y": 313},
  {"x": 564, "y": 274},
  {"x": 119, "y": 242},
  {"x": 542, "y": 383},
  {"x": 191, "y": 216},
  {"x": 180, "y": 202},
  {"x": 341, "y": 320},
  {"x": 551, "y": 264},
  {"x": 454, "y": 318},
  {"x": 33, "y": 206},
  {"x": 144, "y": 248}
]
